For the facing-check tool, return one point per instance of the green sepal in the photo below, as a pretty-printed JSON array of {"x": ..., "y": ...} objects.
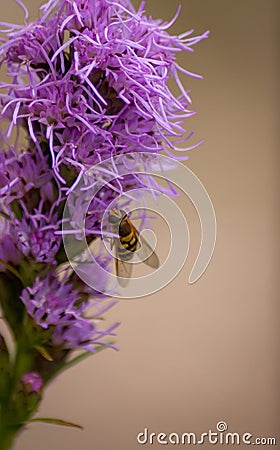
[{"x": 43, "y": 352}]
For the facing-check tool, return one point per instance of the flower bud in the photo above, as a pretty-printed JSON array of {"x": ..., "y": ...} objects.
[
  {"x": 32, "y": 382},
  {"x": 27, "y": 396}
]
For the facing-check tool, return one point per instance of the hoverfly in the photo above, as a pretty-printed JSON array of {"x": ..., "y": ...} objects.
[{"x": 127, "y": 243}]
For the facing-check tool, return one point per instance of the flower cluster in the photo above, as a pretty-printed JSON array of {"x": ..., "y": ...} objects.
[
  {"x": 85, "y": 82},
  {"x": 89, "y": 81},
  {"x": 92, "y": 80}
]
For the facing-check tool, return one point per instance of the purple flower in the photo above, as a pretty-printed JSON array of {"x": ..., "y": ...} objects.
[
  {"x": 32, "y": 382},
  {"x": 9, "y": 253},
  {"x": 51, "y": 302},
  {"x": 97, "y": 74},
  {"x": 20, "y": 173},
  {"x": 55, "y": 304},
  {"x": 36, "y": 237},
  {"x": 27, "y": 207},
  {"x": 89, "y": 80}
]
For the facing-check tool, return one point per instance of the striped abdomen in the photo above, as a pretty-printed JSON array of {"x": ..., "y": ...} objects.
[{"x": 128, "y": 240}]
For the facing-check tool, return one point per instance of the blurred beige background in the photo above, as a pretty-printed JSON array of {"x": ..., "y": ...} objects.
[{"x": 192, "y": 355}]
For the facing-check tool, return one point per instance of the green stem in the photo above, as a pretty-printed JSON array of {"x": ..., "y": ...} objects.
[
  {"x": 7, "y": 433},
  {"x": 6, "y": 440},
  {"x": 22, "y": 364}
]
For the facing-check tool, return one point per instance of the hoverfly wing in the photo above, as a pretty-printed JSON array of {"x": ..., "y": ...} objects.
[
  {"x": 146, "y": 253},
  {"x": 123, "y": 271}
]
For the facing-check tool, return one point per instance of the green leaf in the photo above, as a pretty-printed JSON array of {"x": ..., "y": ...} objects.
[
  {"x": 59, "y": 422},
  {"x": 11, "y": 269},
  {"x": 82, "y": 356}
]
